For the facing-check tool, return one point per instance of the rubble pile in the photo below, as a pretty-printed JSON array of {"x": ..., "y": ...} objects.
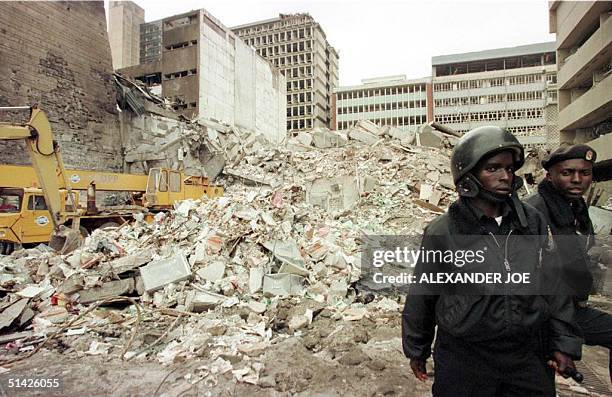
[{"x": 226, "y": 278}]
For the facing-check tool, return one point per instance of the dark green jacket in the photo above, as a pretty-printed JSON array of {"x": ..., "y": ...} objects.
[{"x": 494, "y": 319}]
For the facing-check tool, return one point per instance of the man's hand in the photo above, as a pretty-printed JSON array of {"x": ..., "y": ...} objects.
[
  {"x": 560, "y": 362},
  {"x": 419, "y": 370}
]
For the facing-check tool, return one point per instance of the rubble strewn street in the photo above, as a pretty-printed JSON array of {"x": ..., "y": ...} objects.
[{"x": 233, "y": 287}]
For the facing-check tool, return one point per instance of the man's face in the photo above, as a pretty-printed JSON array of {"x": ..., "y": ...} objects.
[
  {"x": 496, "y": 173},
  {"x": 571, "y": 177}
]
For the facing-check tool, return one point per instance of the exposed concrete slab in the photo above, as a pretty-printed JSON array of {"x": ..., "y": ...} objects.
[
  {"x": 112, "y": 288},
  {"x": 165, "y": 271}
]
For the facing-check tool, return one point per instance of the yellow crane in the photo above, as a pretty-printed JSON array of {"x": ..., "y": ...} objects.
[{"x": 36, "y": 200}]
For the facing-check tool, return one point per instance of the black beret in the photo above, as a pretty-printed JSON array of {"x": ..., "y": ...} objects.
[{"x": 568, "y": 152}]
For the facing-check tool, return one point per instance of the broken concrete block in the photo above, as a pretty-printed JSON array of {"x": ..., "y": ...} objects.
[
  {"x": 256, "y": 275},
  {"x": 30, "y": 291},
  {"x": 12, "y": 312},
  {"x": 368, "y": 184},
  {"x": 107, "y": 290},
  {"x": 360, "y": 135},
  {"x": 338, "y": 288},
  {"x": 446, "y": 180},
  {"x": 324, "y": 138},
  {"x": 394, "y": 132},
  {"x": 430, "y": 137},
  {"x": 72, "y": 284},
  {"x": 334, "y": 194},
  {"x": 199, "y": 301},
  {"x": 409, "y": 139},
  {"x": 212, "y": 272},
  {"x": 131, "y": 262},
  {"x": 370, "y": 127},
  {"x": 286, "y": 251},
  {"x": 426, "y": 191},
  {"x": 165, "y": 271},
  {"x": 304, "y": 138},
  {"x": 282, "y": 284},
  {"x": 300, "y": 320},
  {"x": 257, "y": 307}
]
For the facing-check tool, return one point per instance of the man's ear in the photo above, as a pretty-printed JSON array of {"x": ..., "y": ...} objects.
[{"x": 548, "y": 176}]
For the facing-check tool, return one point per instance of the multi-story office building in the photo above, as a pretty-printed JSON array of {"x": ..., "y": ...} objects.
[
  {"x": 208, "y": 72},
  {"x": 392, "y": 101},
  {"x": 584, "y": 57},
  {"x": 297, "y": 45},
  {"x": 514, "y": 88},
  {"x": 150, "y": 41},
  {"x": 125, "y": 18}
]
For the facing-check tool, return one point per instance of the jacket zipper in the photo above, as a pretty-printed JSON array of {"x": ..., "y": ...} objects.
[{"x": 506, "y": 263}]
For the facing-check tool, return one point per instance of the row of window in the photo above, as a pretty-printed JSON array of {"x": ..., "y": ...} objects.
[
  {"x": 484, "y": 99},
  {"x": 494, "y": 115},
  {"x": 299, "y": 98},
  {"x": 292, "y": 60},
  {"x": 523, "y": 130},
  {"x": 372, "y": 92},
  {"x": 376, "y": 107},
  {"x": 392, "y": 121},
  {"x": 298, "y": 85},
  {"x": 300, "y": 46},
  {"x": 298, "y": 72},
  {"x": 294, "y": 111},
  {"x": 292, "y": 21},
  {"x": 279, "y": 37},
  {"x": 495, "y": 82},
  {"x": 176, "y": 75},
  {"x": 302, "y": 124}
]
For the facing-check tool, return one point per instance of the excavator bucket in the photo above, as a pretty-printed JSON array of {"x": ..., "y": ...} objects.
[{"x": 65, "y": 240}]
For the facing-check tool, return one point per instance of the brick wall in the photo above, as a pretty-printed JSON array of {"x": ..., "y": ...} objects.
[{"x": 57, "y": 55}]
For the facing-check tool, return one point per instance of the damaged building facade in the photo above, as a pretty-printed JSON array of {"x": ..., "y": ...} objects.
[
  {"x": 63, "y": 66},
  {"x": 394, "y": 101},
  {"x": 514, "y": 88},
  {"x": 209, "y": 73},
  {"x": 296, "y": 44}
]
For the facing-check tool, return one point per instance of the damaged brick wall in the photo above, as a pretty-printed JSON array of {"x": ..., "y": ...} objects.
[{"x": 57, "y": 55}]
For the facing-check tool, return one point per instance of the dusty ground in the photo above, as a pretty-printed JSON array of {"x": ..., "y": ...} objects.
[{"x": 330, "y": 358}]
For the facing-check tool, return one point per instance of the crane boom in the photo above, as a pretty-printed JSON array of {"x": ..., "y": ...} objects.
[{"x": 45, "y": 156}]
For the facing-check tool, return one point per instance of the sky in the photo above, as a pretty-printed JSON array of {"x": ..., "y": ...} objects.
[{"x": 389, "y": 37}]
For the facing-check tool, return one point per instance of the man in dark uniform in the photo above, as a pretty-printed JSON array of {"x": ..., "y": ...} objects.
[
  {"x": 488, "y": 345},
  {"x": 559, "y": 198}
]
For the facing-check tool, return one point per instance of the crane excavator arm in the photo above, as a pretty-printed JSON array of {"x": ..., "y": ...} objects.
[{"x": 45, "y": 155}]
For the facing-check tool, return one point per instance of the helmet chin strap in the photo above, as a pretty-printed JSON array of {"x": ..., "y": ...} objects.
[{"x": 470, "y": 186}]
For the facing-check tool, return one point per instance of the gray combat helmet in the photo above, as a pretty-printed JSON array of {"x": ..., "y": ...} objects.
[
  {"x": 479, "y": 143},
  {"x": 473, "y": 147}
]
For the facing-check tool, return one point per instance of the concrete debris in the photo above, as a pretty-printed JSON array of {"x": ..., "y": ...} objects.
[
  {"x": 165, "y": 271},
  {"x": 282, "y": 284},
  {"x": 199, "y": 301},
  {"x": 107, "y": 290},
  {"x": 212, "y": 272},
  {"x": 231, "y": 278},
  {"x": 362, "y": 136},
  {"x": 324, "y": 138}
]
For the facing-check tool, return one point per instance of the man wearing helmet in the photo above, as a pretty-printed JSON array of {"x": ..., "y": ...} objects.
[{"x": 489, "y": 344}]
